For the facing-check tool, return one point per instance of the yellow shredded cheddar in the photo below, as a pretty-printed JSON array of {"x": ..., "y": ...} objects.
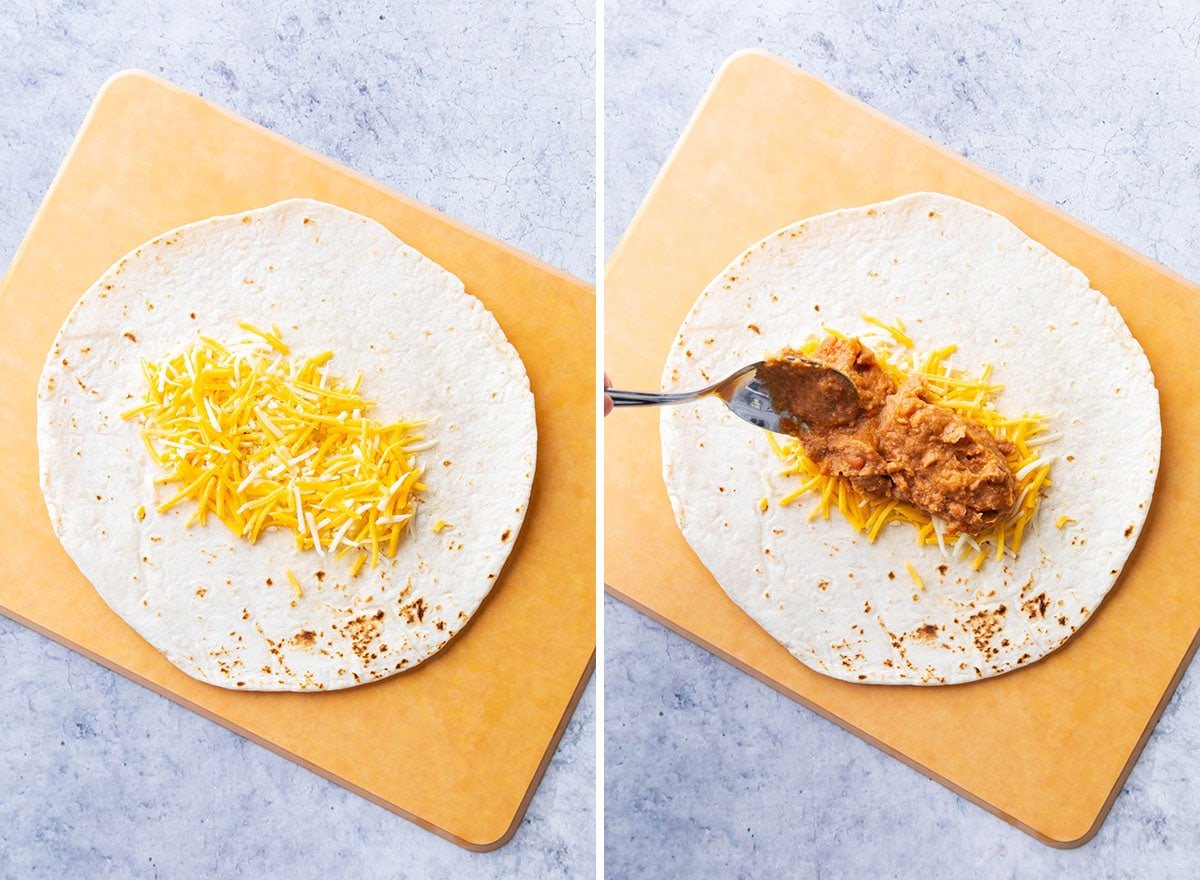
[
  {"x": 295, "y": 583},
  {"x": 913, "y": 574},
  {"x": 973, "y": 396},
  {"x": 1063, "y": 521},
  {"x": 763, "y": 504},
  {"x": 896, "y": 332},
  {"x": 263, "y": 439},
  {"x": 141, "y": 512},
  {"x": 440, "y": 526}
]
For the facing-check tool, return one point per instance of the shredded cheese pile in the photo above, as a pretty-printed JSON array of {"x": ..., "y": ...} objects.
[
  {"x": 973, "y": 397},
  {"x": 263, "y": 439}
]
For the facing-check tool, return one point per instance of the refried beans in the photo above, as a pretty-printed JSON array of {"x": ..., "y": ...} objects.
[{"x": 899, "y": 444}]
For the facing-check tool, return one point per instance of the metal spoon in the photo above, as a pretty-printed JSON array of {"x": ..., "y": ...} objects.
[{"x": 746, "y": 395}]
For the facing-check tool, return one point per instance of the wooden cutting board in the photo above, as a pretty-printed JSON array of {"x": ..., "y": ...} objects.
[
  {"x": 458, "y": 744},
  {"x": 1045, "y": 748}
]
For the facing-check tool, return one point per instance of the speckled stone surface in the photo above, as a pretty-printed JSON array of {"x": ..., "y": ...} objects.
[
  {"x": 485, "y": 113},
  {"x": 1089, "y": 105}
]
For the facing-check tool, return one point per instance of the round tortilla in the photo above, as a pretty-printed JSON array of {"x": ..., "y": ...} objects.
[
  {"x": 955, "y": 273},
  {"x": 218, "y": 607}
]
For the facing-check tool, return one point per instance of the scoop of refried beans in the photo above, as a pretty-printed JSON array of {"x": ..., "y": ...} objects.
[{"x": 903, "y": 446}]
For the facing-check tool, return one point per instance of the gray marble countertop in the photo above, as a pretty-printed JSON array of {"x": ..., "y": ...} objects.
[
  {"x": 1091, "y": 106},
  {"x": 485, "y": 113}
]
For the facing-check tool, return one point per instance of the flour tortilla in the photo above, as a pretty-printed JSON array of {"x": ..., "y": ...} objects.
[
  {"x": 218, "y": 607},
  {"x": 955, "y": 273}
]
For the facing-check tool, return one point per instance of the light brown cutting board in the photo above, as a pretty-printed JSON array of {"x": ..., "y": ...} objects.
[
  {"x": 1045, "y": 748},
  {"x": 459, "y": 743}
]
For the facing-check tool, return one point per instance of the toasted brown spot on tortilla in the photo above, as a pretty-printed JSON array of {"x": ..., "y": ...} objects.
[
  {"x": 506, "y": 534},
  {"x": 320, "y": 575},
  {"x": 1128, "y": 531},
  {"x": 129, "y": 336},
  {"x": 985, "y": 625},
  {"x": 1036, "y": 607},
  {"x": 926, "y": 632},
  {"x": 891, "y": 575},
  {"x": 942, "y": 569},
  {"x": 306, "y": 638},
  {"x": 307, "y": 220},
  {"x": 822, "y": 584},
  {"x": 753, "y": 328},
  {"x": 362, "y": 631},
  {"x": 246, "y": 219},
  {"x": 201, "y": 592}
]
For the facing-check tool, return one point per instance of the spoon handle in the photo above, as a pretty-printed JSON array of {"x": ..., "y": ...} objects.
[{"x": 649, "y": 398}]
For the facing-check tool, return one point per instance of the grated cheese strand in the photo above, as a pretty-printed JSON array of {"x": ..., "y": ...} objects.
[
  {"x": 263, "y": 439},
  {"x": 913, "y": 574},
  {"x": 295, "y": 583}
]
